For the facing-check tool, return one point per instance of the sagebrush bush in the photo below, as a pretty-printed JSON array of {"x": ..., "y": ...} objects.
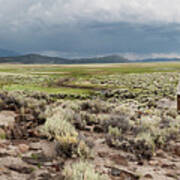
[
  {"x": 82, "y": 170},
  {"x": 59, "y": 127}
]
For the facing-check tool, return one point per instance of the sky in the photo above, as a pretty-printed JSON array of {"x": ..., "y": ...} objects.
[{"x": 76, "y": 28}]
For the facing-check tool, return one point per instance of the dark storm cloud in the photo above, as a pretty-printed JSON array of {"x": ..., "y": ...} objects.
[{"x": 84, "y": 27}]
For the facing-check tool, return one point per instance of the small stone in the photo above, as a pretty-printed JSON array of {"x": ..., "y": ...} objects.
[
  {"x": 153, "y": 163},
  {"x": 118, "y": 159},
  {"x": 7, "y": 118},
  {"x": 59, "y": 177},
  {"x": 148, "y": 176},
  {"x": 98, "y": 129},
  {"x": 36, "y": 159},
  {"x": 115, "y": 172},
  {"x": 49, "y": 149},
  {"x": 23, "y": 148},
  {"x": 35, "y": 146},
  {"x": 21, "y": 168},
  {"x": 177, "y": 149},
  {"x": 160, "y": 153},
  {"x": 103, "y": 154},
  {"x": 3, "y": 153},
  {"x": 169, "y": 166},
  {"x": 39, "y": 174},
  {"x": 124, "y": 174},
  {"x": 171, "y": 174}
]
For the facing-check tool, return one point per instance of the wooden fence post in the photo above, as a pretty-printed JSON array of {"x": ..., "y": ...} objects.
[{"x": 178, "y": 98}]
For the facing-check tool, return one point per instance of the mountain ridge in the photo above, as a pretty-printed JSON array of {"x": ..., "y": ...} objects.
[{"x": 43, "y": 59}]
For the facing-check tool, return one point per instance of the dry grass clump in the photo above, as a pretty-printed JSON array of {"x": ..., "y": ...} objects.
[{"x": 82, "y": 170}]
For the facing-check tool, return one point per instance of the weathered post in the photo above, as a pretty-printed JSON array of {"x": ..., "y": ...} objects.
[{"x": 178, "y": 98}]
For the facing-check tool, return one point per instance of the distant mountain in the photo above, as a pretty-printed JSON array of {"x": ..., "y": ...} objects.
[
  {"x": 32, "y": 59},
  {"x": 159, "y": 60},
  {"x": 8, "y": 53},
  {"x": 103, "y": 59},
  {"x": 40, "y": 59}
]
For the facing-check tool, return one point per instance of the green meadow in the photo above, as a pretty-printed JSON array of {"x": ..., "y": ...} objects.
[{"x": 76, "y": 79}]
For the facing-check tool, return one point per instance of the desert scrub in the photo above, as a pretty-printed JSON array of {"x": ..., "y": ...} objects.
[
  {"x": 141, "y": 87},
  {"x": 82, "y": 170},
  {"x": 95, "y": 106},
  {"x": 114, "y": 131},
  {"x": 148, "y": 133},
  {"x": 73, "y": 105},
  {"x": 149, "y": 122},
  {"x": 88, "y": 118},
  {"x": 117, "y": 121},
  {"x": 2, "y": 134},
  {"x": 58, "y": 126},
  {"x": 125, "y": 110}
]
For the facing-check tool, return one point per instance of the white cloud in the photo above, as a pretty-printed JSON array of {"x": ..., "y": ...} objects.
[
  {"x": 128, "y": 55},
  {"x": 19, "y": 13},
  {"x": 135, "y": 56},
  {"x": 61, "y": 54}
]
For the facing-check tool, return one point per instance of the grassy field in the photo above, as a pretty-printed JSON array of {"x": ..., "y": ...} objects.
[{"x": 77, "y": 77}]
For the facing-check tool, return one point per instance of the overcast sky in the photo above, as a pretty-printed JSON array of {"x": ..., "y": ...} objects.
[{"x": 135, "y": 28}]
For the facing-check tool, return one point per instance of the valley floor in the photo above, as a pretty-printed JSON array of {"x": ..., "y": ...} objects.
[{"x": 93, "y": 122}]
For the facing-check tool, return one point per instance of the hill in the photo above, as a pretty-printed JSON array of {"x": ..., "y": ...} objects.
[{"x": 40, "y": 59}]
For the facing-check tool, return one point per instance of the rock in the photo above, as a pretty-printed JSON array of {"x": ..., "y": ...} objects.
[
  {"x": 160, "y": 153},
  {"x": 7, "y": 118},
  {"x": 124, "y": 174},
  {"x": 103, "y": 154},
  {"x": 40, "y": 174},
  {"x": 37, "y": 159},
  {"x": 58, "y": 177},
  {"x": 153, "y": 163},
  {"x": 118, "y": 159},
  {"x": 98, "y": 129},
  {"x": 177, "y": 149},
  {"x": 23, "y": 148},
  {"x": 48, "y": 148},
  {"x": 45, "y": 176},
  {"x": 4, "y": 143},
  {"x": 15, "y": 164},
  {"x": 3, "y": 153},
  {"x": 171, "y": 174},
  {"x": 35, "y": 146},
  {"x": 8, "y": 151},
  {"x": 115, "y": 172},
  {"x": 148, "y": 176},
  {"x": 20, "y": 168},
  {"x": 169, "y": 166}
]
